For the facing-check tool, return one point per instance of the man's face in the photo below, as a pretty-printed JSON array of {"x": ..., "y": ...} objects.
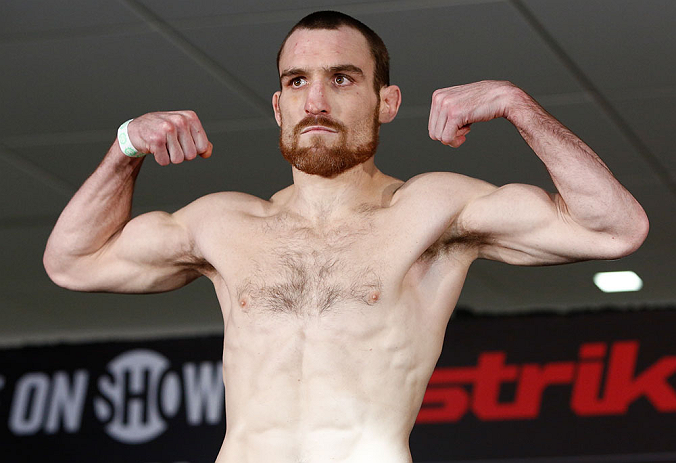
[{"x": 327, "y": 109}]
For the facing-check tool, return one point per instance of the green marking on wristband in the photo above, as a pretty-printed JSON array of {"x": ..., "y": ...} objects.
[{"x": 125, "y": 142}]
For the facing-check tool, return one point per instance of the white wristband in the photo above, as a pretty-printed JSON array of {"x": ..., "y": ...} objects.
[{"x": 125, "y": 143}]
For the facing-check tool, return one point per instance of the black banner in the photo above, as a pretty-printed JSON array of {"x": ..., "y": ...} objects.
[
  {"x": 589, "y": 387},
  {"x": 143, "y": 402}
]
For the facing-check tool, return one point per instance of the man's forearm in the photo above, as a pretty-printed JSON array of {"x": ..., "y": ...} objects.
[
  {"x": 96, "y": 212},
  {"x": 97, "y": 246},
  {"x": 592, "y": 196}
]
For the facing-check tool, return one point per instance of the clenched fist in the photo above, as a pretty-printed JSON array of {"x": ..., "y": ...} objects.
[
  {"x": 171, "y": 137},
  {"x": 455, "y": 109}
]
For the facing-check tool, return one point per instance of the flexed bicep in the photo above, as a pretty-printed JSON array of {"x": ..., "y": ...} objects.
[
  {"x": 154, "y": 252},
  {"x": 151, "y": 253},
  {"x": 525, "y": 225}
]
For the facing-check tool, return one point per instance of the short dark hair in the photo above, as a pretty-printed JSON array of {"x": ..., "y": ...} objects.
[{"x": 333, "y": 20}]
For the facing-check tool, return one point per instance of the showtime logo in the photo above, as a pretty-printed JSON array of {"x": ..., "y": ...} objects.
[
  {"x": 448, "y": 398},
  {"x": 130, "y": 402},
  {"x": 140, "y": 394},
  {"x": 135, "y": 398}
]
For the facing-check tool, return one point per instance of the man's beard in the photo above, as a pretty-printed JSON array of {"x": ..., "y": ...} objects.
[{"x": 323, "y": 160}]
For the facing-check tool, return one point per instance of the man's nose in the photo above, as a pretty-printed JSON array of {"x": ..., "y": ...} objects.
[{"x": 316, "y": 101}]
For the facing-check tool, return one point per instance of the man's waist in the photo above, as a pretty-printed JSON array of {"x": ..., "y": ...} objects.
[{"x": 294, "y": 444}]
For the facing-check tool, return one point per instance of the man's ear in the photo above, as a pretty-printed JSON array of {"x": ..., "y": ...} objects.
[
  {"x": 275, "y": 107},
  {"x": 390, "y": 99}
]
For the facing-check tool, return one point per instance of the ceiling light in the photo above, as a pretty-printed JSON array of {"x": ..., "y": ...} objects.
[{"x": 615, "y": 282}]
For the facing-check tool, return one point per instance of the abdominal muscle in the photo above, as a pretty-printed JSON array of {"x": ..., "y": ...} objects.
[{"x": 343, "y": 386}]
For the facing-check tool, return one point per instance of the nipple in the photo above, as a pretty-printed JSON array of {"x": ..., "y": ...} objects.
[
  {"x": 242, "y": 303},
  {"x": 375, "y": 295}
]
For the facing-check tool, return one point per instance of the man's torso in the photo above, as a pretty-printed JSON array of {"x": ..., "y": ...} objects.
[{"x": 332, "y": 329}]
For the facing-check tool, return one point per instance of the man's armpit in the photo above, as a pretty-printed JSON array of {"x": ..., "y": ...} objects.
[{"x": 454, "y": 241}]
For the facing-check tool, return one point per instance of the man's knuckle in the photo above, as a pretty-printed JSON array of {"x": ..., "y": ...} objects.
[
  {"x": 180, "y": 122},
  {"x": 167, "y": 127},
  {"x": 157, "y": 139}
]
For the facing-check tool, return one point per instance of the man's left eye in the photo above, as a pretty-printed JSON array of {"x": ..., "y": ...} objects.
[{"x": 340, "y": 80}]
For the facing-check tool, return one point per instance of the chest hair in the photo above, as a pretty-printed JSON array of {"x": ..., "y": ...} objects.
[{"x": 309, "y": 272}]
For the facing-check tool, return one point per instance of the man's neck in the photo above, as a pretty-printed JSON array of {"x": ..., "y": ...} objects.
[{"x": 320, "y": 198}]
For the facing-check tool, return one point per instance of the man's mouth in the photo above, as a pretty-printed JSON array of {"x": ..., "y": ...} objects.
[{"x": 318, "y": 128}]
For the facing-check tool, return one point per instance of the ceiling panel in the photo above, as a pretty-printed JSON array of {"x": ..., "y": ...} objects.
[
  {"x": 179, "y": 9},
  {"x": 248, "y": 52},
  {"x": 654, "y": 121},
  {"x": 99, "y": 82},
  {"x": 440, "y": 47},
  {"x": 71, "y": 162},
  {"x": 24, "y": 195},
  {"x": 619, "y": 44},
  {"x": 21, "y": 19}
]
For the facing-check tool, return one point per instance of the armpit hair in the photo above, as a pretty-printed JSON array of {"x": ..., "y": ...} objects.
[
  {"x": 197, "y": 264},
  {"x": 450, "y": 242}
]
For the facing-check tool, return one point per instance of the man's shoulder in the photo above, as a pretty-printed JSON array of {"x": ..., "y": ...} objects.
[
  {"x": 224, "y": 204},
  {"x": 231, "y": 200},
  {"x": 431, "y": 186}
]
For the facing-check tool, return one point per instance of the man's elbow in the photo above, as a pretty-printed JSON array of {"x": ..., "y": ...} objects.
[
  {"x": 628, "y": 242},
  {"x": 59, "y": 272},
  {"x": 50, "y": 264},
  {"x": 643, "y": 227}
]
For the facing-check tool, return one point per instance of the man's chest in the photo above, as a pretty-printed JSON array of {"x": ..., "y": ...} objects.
[
  {"x": 308, "y": 281},
  {"x": 281, "y": 267},
  {"x": 298, "y": 270}
]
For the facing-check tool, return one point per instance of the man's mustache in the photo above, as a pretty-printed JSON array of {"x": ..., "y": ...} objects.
[{"x": 309, "y": 121}]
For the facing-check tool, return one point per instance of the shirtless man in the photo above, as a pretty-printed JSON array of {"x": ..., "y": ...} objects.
[{"x": 337, "y": 291}]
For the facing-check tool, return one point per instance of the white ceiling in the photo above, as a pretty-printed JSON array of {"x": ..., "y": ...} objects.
[{"x": 73, "y": 70}]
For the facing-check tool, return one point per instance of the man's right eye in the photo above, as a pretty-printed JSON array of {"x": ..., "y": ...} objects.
[{"x": 297, "y": 81}]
